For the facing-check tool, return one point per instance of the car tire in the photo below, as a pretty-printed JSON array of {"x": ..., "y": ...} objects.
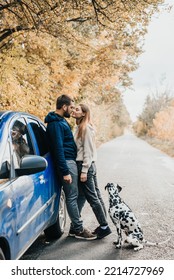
[
  {"x": 2, "y": 257},
  {"x": 56, "y": 230}
]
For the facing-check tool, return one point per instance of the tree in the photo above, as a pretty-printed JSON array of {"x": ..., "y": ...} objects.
[
  {"x": 83, "y": 47},
  {"x": 55, "y": 17},
  {"x": 154, "y": 104}
]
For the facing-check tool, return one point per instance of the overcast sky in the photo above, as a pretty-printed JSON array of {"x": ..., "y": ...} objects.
[{"x": 156, "y": 64}]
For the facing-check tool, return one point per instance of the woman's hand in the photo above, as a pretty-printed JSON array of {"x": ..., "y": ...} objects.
[{"x": 83, "y": 177}]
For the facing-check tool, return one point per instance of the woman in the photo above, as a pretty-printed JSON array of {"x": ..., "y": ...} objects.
[{"x": 86, "y": 156}]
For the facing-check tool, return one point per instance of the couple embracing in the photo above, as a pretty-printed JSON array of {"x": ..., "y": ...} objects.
[{"x": 74, "y": 160}]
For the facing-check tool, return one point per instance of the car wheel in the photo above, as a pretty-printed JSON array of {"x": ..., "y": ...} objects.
[
  {"x": 57, "y": 229},
  {"x": 2, "y": 257}
]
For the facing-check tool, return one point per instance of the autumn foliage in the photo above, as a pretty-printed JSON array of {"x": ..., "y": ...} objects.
[
  {"x": 155, "y": 123},
  {"x": 82, "y": 48},
  {"x": 163, "y": 124}
]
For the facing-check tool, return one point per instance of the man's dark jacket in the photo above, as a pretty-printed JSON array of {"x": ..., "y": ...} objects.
[{"x": 61, "y": 142}]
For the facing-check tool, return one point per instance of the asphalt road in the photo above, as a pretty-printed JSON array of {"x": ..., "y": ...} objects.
[{"x": 147, "y": 177}]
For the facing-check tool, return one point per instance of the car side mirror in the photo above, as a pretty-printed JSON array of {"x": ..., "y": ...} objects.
[
  {"x": 31, "y": 164},
  {"x": 5, "y": 171}
]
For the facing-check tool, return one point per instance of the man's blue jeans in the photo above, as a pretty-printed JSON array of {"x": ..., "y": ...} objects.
[{"x": 71, "y": 194}]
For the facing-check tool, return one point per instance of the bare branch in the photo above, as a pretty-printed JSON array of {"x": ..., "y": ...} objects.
[{"x": 8, "y": 32}]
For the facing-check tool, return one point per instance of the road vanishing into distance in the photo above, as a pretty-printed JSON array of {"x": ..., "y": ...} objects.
[{"x": 147, "y": 177}]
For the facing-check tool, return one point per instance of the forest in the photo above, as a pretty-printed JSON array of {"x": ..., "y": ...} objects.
[
  {"x": 83, "y": 48},
  {"x": 155, "y": 123}
]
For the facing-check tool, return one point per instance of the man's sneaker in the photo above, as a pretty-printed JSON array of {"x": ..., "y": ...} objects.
[
  {"x": 72, "y": 233},
  {"x": 85, "y": 234},
  {"x": 101, "y": 233}
]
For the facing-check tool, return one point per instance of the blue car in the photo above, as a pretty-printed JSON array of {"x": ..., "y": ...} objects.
[{"x": 31, "y": 198}]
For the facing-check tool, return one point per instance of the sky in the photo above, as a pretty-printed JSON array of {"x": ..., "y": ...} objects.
[{"x": 156, "y": 64}]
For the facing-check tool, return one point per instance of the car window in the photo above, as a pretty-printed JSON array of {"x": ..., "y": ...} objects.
[
  {"x": 21, "y": 141},
  {"x": 40, "y": 134}
]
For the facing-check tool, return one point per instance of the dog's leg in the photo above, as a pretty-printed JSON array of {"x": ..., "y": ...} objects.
[
  {"x": 118, "y": 243},
  {"x": 135, "y": 242},
  {"x": 117, "y": 240},
  {"x": 140, "y": 246}
]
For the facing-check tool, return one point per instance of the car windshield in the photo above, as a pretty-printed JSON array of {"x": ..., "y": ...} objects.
[
  {"x": 1, "y": 113},
  {"x": 4, "y": 148}
]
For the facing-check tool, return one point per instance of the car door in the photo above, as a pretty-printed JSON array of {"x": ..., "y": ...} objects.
[
  {"x": 28, "y": 191},
  {"x": 50, "y": 188},
  {"x": 7, "y": 207}
]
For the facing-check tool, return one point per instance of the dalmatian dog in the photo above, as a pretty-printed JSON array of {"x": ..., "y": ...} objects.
[{"x": 124, "y": 220}]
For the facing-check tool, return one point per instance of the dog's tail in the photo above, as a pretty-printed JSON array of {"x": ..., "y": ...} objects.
[{"x": 155, "y": 243}]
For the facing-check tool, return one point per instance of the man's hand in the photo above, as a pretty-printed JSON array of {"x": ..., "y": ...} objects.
[
  {"x": 67, "y": 179},
  {"x": 83, "y": 177}
]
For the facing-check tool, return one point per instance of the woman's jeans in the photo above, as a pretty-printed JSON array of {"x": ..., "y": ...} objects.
[
  {"x": 71, "y": 194},
  {"x": 89, "y": 191}
]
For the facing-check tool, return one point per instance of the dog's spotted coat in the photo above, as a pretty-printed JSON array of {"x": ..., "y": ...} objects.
[{"x": 123, "y": 218}]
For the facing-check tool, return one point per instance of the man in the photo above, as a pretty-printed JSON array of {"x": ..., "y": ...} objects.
[{"x": 64, "y": 151}]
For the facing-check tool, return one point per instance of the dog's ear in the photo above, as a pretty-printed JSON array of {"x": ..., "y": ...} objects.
[
  {"x": 119, "y": 188},
  {"x": 107, "y": 186}
]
